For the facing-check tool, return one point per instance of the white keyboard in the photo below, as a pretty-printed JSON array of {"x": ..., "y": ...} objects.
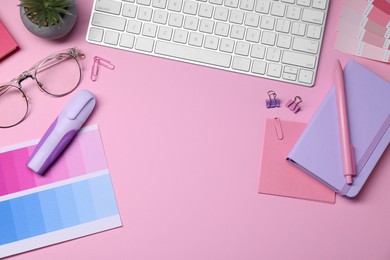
[{"x": 275, "y": 39}]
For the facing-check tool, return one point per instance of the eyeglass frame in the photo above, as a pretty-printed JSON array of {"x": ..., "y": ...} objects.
[{"x": 73, "y": 52}]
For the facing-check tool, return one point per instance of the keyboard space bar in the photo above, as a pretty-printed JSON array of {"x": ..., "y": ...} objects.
[{"x": 193, "y": 54}]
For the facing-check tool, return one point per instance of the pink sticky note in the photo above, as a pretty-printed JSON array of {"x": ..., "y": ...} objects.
[{"x": 277, "y": 175}]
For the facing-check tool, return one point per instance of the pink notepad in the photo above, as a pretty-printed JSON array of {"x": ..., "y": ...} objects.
[
  {"x": 277, "y": 175},
  {"x": 7, "y": 42}
]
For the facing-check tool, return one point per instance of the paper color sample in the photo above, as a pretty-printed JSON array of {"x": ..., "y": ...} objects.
[
  {"x": 7, "y": 43},
  {"x": 367, "y": 10},
  {"x": 368, "y": 109},
  {"x": 349, "y": 29},
  {"x": 278, "y": 176},
  {"x": 364, "y": 22},
  {"x": 74, "y": 198},
  {"x": 360, "y": 48}
]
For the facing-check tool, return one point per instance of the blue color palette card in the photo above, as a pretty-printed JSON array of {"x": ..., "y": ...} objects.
[{"x": 74, "y": 198}]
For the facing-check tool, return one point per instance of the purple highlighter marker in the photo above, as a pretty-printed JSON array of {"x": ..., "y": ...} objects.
[{"x": 62, "y": 131}]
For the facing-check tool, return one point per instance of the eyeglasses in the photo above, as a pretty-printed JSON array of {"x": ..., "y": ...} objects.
[{"x": 57, "y": 75}]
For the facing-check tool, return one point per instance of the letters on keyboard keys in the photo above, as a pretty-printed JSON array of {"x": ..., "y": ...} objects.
[{"x": 276, "y": 39}]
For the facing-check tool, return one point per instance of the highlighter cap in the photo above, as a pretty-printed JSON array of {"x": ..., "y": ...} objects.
[{"x": 62, "y": 131}]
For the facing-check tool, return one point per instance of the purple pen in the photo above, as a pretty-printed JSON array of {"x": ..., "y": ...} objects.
[{"x": 62, "y": 131}]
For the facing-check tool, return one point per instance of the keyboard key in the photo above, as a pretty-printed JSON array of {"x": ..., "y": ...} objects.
[
  {"x": 262, "y": 6},
  {"x": 278, "y": 9},
  {"x": 95, "y": 34},
  {"x": 180, "y": 36},
  {"x": 284, "y": 41},
  {"x": 134, "y": 27},
  {"x": 301, "y": 44},
  {"x": 144, "y": 44},
  {"x": 293, "y": 12},
  {"x": 193, "y": 54},
  {"x": 191, "y": 23},
  {"x": 274, "y": 70},
  {"x": 221, "y": 13},
  {"x": 267, "y": 22},
  {"x": 145, "y": 13},
  {"x": 312, "y": 16},
  {"x": 108, "y": 6},
  {"x": 129, "y": 10},
  {"x": 160, "y": 17},
  {"x": 190, "y": 7},
  {"x": 237, "y": 32},
  {"x": 236, "y": 16},
  {"x": 253, "y": 35},
  {"x": 216, "y": 2},
  {"x": 206, "y": 26},
  {"x": 303, "y": 2},
  {"x": 227, "y": 45},
  {"x": 241, "y": 63},
  {"x": 268, "y": 38},
  {"x": 149, "y": 30},
  {"x": 175, "y": 5},
  {"x": 127, "y": 40},
  {"x": 176, "y": 20},
  {"x": 319, "y": 4},
  {"x": 211, "y": 42},
  {"x": 258, "y": 51},
  {"x": 283, "y": 25},
  {"x": 299, "y": 59},
  {"x": 231, "y": 3},
  {"x": 242, "y": 48},
  {"x": 222, "y": 29},
  {"x": 143, "y": 2},
  {"x": 109, "y": 21},
  {"x": 159, "y": 3},
  {"x": 298, "y": 28},
  {"x": 305, "y": 76},
  {"x": 273, "y": 54},
  {"x": 289, "y": 76},
  {"x": 206, "y": 10},
  {"x": 313, "y": 31},
  {"x": 165, "y": 33},
  {"x": 196, "y": 39},
  {"x": 252, "y": 19},
  {"x": 247, "y": 5},
  {"x": 111, "y": 38},
  {"x": 259, "y": 67}
]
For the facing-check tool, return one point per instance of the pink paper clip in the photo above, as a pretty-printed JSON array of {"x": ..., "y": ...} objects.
[
  {"x": 293, "y": 105},
  {"x": 97, "y": 61}
]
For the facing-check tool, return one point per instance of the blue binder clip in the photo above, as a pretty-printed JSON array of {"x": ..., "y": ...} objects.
[
  {"x": 272, "y": 101},
  {"x": 293, "y": 105}
]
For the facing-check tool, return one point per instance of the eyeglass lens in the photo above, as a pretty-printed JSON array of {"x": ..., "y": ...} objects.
[
  {"x": 13, "y": 106},
  {"x": 58, "y": 76}
]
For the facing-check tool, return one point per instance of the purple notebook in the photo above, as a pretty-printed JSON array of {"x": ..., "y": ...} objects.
[{"x": 318, "y": 150}]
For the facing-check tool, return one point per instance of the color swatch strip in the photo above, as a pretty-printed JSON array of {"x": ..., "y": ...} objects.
[
  {"x": 84, "y": 155},
  {"x": 74, "y": 198},
  {"x": 58, "y": 208},
  {"x": 364, "y": 29}
]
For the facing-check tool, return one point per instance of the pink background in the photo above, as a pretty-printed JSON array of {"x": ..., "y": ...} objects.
[{"x": 183, "y": 145}]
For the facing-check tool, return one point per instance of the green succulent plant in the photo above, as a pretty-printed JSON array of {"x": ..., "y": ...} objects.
[{"x": 46, "y": 12}]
